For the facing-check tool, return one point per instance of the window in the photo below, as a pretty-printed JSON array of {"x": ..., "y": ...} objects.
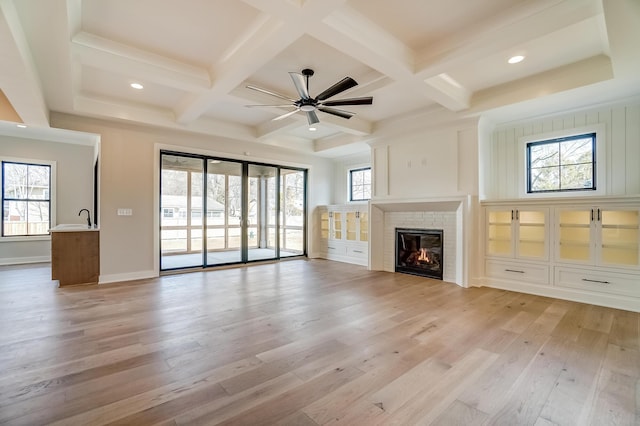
[
  {"x": 562, "y": 164},
  {"x": 360, "y": 184},
  {"x": 167, "y": 212},
  {"x": 26, "y": 200}
]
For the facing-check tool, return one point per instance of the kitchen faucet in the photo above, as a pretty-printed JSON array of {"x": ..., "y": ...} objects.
[{"x": 88, "y": 216}]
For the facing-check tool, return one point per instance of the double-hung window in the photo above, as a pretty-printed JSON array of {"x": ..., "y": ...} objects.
[
  {"x": 360, "y": 184},
  {"x": 26, "y": 198}
]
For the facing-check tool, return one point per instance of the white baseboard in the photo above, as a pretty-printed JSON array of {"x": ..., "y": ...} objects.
[
  {"x": 128, "y": 276},
  {"x": 600, "y": 299},
  {"x": 24, "y": 260}
]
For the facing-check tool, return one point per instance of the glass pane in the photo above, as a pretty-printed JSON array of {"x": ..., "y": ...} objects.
[
  {"x": 15, "y": 181},
  {"x": 181, "y": 211},
  {"x": 262, "y": 212},
  {"x": 577, "y": 151},
  {"x": 620, "y": 237},
  {"x": 575, "y": 235},
  {"x": 577, "y": 176},
  {"x": 337, "y": 226},
  {"x": 26, "y": 218},
  {"x": 324, "y": 225},
  {"x": 360, "y": 181},
  {"x": 292, "y": 212},
  {"x": 364, "y": 227},
  {"x": 544, "y": 155},
  {"x": 224, "y": 192},
  {"x": 545, "y": 179},
  {"x": 351, "y": 226}
]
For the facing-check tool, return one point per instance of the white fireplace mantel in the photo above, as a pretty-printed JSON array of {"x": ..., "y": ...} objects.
[{"x": 460, "y": 206}]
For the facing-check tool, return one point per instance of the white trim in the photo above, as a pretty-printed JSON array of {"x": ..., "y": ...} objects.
[
  {"x": 23, "y": 260},
  {"x": 601, "y": 161},
  {"x": 127, "y": 276},
  {"x": 600, "y": 299}
]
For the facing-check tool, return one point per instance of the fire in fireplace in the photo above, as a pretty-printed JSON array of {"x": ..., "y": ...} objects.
[{"x": 419, "y": 252}]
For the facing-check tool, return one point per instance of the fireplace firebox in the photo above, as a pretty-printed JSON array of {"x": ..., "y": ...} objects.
[{"x": 419, "y": 252}]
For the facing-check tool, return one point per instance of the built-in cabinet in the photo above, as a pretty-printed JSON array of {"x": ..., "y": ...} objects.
[
  {"x": 344, "y": 233},
  {"x": 578, "y": 249}
]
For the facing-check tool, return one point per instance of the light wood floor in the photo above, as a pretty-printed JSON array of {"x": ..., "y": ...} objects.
[{"x": 307, "y": 343}]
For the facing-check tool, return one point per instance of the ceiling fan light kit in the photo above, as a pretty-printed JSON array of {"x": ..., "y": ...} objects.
[{"x": 310, "y": 105}]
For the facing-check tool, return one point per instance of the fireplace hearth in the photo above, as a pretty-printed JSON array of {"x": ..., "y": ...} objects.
[{"x": 419, "y": 252}]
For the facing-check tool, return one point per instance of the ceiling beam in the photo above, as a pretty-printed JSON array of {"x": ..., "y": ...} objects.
[
  {"x": 582, "y": 73},
  {"x": 101, "y": 53},
  {"x": 19, "y": 77}
]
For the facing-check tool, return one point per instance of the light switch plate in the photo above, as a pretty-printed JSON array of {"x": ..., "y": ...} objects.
[{"x": 125, "y": 212}]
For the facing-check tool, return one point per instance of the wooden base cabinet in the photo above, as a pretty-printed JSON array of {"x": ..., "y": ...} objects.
[
  {"x": 75, "y": 257},
  {"x": 587, "y": 250}
]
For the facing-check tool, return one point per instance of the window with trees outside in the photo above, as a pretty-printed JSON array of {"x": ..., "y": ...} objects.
[
  {"x": 360, "y": 184},
  {"x": 562, "y": 164},
  {"x": 26, "y": 199}
]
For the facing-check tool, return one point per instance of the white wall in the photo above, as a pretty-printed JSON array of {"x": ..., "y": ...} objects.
[
  {"x": 433, "y": 162},
  {"x": 499, "y": 160},
  {"x": 128, "y": 179},
  {"x": 74, "y": 189},
  {"x": 342, "y": 166}
]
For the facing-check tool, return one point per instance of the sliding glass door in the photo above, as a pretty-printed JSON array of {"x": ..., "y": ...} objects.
[
  {"x": 224, "y": 212},
  {"x": 261, "y": 215},
  {"x": 220, "y": 211},
  {"x": 292, "y": 212}
]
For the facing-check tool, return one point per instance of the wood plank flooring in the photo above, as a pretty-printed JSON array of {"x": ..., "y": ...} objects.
[{"x": 308, "y": 342}]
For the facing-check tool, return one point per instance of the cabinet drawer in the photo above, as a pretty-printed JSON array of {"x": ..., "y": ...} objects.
[
  {"x": 538, "y": 274},
  {"x": 600, "y": 281},
  {"x": 334, "y": 248},
  {"x": 357, "y": 252}
]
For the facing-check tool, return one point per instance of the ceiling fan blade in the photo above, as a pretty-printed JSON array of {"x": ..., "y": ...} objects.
[
  {"x": 270, "y": 106},
  {"x": 280, "y": 117},
  {"x": 312, "y": 117},
  {"x": 367, "y": 100},
  {"x": 338, "y": 112},
  {"x": 268, "y": 92},
  {"x": 339, "y": 87},
  {"x": 301, "y": 86}
]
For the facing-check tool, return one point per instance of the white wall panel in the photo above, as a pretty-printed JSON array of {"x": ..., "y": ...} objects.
[{"x": 501, "y": 171}]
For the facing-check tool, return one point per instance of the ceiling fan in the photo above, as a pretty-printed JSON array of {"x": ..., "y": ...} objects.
[{"x": 321, "y": 102}]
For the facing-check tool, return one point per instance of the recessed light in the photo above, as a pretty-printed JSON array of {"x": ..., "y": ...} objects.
[
  {"x": 22, "y": 126},
  {"x": 312, "y": 129},
  {"x": 137, "y": 86},
  {"x": 516, "y": 59}
]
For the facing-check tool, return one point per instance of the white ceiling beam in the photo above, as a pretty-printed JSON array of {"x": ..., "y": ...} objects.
[
  {"x": 511, "y": 28},
  {"x": 281, "y": 24},
  {"x": 355, "y": 35},
  {"x": 19, "y": 77},
  {"x": 101, "y": 53},
  {"x": 448, "y": 93},
  {"x": 579, "y": 74},
  {"x": 255, "y": 48},
  {"x": 622, "y": 19},
  {"x": 102, "y": 107}
]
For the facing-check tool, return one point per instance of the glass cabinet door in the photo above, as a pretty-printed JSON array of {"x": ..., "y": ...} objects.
[
  {"x": 337, "y": 225},
  {"x": 324, "y": 225},
  {"x": 619, "y": 238},
  {"x": 364, "y": 226},
  {"x": 499, "y": 241},
  {"x": 532, "y": 234},
  {"x": 351, "y": 226},
  {"x": 575, "y": 235}
]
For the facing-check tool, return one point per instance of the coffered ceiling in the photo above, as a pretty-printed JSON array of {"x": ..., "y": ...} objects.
[{"x": 415, "y": 57}]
